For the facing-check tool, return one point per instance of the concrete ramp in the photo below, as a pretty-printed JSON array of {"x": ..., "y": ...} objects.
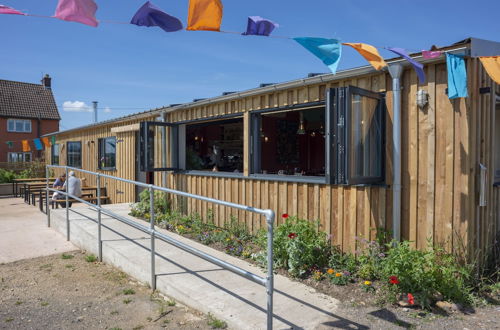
[{"x": 196, "y": 282}]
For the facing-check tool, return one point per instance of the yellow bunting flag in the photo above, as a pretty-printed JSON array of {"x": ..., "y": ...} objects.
[
  {"x": 46, "y": 142},
  {"x": 492, "y": 66},
  {"x": 26, "y": 145},
  {"x": 204, "y": 15},
  {"x": 370, "y": 53}
]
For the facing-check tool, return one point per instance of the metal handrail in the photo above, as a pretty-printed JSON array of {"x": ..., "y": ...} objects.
[{"x": 267, "y": 281}]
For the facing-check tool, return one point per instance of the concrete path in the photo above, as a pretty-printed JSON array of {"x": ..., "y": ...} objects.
[
  {"x": 200, "y": 284},
  {"x": 24, "y": 233}
]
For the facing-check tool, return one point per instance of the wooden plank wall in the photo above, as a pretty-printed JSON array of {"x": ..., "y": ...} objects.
[{"x": 118, "y": 192}]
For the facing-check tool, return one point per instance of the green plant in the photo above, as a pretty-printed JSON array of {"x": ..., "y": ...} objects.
[
  {"x": 298, "y": 246},
  {"x": 215, "y": 323},
  {"x": 128, "y": 291},
  {"x": 7, "y": 176},
  {"x": 67, "y": 256},
  {"x": 91, "y": 258},
  {"x": 44, "y": 303},
  {"x": 171, "y": 302},
  {"x": 142, "y": 208},
  {"x": 339, "y": 278},
  {"x": 127, "y": 301}
]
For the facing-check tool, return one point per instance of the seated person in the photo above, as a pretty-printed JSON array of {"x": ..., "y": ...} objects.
[
  {"x": 73, "y": 186},
  {"x": 58, "y": 184}
]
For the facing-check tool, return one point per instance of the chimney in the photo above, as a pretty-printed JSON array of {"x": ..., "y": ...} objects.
[{"x": 46, "y": 82}]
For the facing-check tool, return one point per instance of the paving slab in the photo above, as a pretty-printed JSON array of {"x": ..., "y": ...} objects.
[
  {"x": 24, "y": 233},
  {"x": 197, "y": 283}
]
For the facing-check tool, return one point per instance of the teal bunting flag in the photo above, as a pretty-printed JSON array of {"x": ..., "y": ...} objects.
[
  {"x": 10, "y": 144},
  {"x": 457, "y": 76},
  {"x": 327, "y": 50},
  {"x": 53, "y": 139}
]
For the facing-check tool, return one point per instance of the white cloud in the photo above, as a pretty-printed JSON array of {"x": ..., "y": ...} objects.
[
  {"x": 77, "y": 106},
  {"x": 107, "y": 109}
]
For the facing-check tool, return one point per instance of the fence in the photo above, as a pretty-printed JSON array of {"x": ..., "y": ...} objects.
[{"x": 268, "y": 281}]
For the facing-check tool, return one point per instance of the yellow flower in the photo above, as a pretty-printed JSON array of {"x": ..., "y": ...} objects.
[
  {"x": 338, "y": 274},
  {"x": 368, "y": 283},
  {"x": 228, "y": 239},
  {"x": 330, "y": 271}
]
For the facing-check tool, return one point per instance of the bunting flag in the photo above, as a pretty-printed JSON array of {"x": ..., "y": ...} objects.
[
  {"x": 81, "y": 11},
  {"x": 204, "y": 15},
  {"x": 46, "y": 142},
  {"x": 53, "y": 139},
  {"x": 430, "y": 54},
  {"x": 9, "y": 10},
  {"x": 150, "y": 15},
  {"x": 492, "y": 66},
  {"x": 327, "y": 50},
  {"x": 258, "y": 26},
  {"x": 38, "y": 144},
  {"x": 370, "y": 53},
  {"x": 26, "y": 145},
  {"x": 419, "y": 67},
  {"x": 457, "y": 76},
  {"x": 10, "y": 144}
]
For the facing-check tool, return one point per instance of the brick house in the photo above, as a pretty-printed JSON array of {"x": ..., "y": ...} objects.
[{"x": 27, "y": 111}]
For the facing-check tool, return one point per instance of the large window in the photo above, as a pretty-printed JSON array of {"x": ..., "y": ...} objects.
[
  {"x": 74, "y": 154},
  {"x": 54, "y": 154},
  {"x": 13, "y": 157},
  {"x": 215, "y": 146},
  {"x": 107, "y": 153},
  {"x": 19, "y": 125},
  {"x": 290, "y": 142}
]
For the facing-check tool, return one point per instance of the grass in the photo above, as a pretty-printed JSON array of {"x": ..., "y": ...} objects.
[
  {"x": 91, "y": 258},
  {"x": 9, "y": 319},
  {"x": 171, "y": 302},
  {"x": 47, "y": 267},
  {"x": 128, "y": 291},
  {"x": 67, "y": 256},
  {"x": 127, "y": 301},
  {"x": 115, "y": 328},
  {"x": 19, "y": 302},
  {"x": 139, "y": 327},
  {"x": 44, "y": 303},
  {"x": 114, "y": 313},
  {"x": 215, "y": 323}
]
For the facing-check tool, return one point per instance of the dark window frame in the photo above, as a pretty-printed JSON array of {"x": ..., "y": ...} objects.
[
  {"x": 101, "y": 151},
  {"x": 52, "y": 154},
  {"x": 68, "y": 151},
  {"x": 147, "y": 138}
]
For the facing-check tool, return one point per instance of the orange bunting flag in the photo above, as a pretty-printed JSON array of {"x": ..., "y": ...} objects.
[
  {"x": 492, "y": 66},
  {"x": 26, "y": 145},
  {"x": 204, "y": 15},
  {"x": 46, "y": 142},
  {"x": 370, "y": 53}
]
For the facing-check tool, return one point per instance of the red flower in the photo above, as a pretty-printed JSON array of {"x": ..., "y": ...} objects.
[
  {"x": 284, "y": 215},
  {"x": 393, "y": 280},
  {"x": 411, "y": 299},
  {"x": 292, "y": 235}
]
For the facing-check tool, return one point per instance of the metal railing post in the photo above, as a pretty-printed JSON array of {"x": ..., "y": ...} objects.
[
  {"x": 67, "y": 204},
  {"x": 99, "y": 228},
  {"x": 270, "y": 268},
  {"x": 152, "y": 227},
  {"x": 47, "y": 196}
]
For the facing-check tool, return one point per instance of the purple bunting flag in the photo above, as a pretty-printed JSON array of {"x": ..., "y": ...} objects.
[
  {"x": 419, "y": 67},
  {"x": 150, "y": 15},
  {"x": 258, "y": 26},
  {"x": 8, "y": 10},
  {"x": 430, "y": 54}
]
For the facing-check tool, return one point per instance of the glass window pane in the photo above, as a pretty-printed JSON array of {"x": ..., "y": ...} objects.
[
  {"x": 27, "y": 125},
  {"x": 107, "y": 153},
  {"x": 74, "y": 154},
  {"x": 19, "y": 126},
  {"x": 27, "y": 157},
  {"x": 215, "y": 146},
  {"x": 365, "y": 138},
  {"x": 11, "y": 125},
  {"x": 293, "y": 143}
]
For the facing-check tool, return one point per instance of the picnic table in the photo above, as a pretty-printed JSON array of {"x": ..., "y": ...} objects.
[
  {"x": 87, "y": 196},
  {"x": 15, "y": 183}
]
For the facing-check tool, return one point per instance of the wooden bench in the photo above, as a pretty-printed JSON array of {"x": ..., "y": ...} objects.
[{"x": 91, "y": 199}]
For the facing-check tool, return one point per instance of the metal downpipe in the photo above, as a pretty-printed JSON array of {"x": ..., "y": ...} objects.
[{"x": 396, "y": 71}]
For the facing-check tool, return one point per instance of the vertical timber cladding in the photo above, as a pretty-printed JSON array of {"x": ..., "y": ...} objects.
[{"x": 118, "y": 192}]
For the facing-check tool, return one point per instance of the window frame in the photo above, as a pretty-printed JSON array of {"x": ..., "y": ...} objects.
[
  {"x": 52, "y": 154},
  {"x": 17, "y": 153},
  {"x": 14, "y": 123},
  {"x": 101, "y": 151},
  {"x": 146, "y": 157},
  {"x": 67, "y": 153}
]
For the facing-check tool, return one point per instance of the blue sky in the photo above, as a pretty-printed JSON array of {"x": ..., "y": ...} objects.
[{"x": 128, "y": 69}]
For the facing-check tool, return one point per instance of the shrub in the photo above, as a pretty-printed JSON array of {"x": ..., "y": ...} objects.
[
  {"x": 142, "y": 208},
  {"x": 298, "y": 246},
  {"x": 6, "y": 176}
]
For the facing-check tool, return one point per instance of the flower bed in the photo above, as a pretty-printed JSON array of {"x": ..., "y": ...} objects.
[{"x": 378, "y": 273}]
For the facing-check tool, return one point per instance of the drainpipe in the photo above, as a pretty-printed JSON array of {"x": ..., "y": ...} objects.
[{"x": 396, "y": 70}]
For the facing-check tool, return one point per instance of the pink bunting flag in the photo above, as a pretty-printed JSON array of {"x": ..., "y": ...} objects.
[
  {"x": 81, "y": 11},
  {"x": 9, "y": 10},
  {"x": 430, "y": 54}
]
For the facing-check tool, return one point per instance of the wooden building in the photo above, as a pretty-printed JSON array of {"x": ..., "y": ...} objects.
[{"x": 322, "y": 148}]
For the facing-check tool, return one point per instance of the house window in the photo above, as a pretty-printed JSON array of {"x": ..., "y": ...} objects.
[
  {"x": 290, "y": 142},
  {"x": 19, "y": 125},
  {"x": 14, "y": 157},
  {"x": 54, "y": 154},
  {"x": 107, "y": 153},
  {"x": 357, "y": 138},
  {"x": 215, "y": 146},
  {"x": 74, "y": 154}
]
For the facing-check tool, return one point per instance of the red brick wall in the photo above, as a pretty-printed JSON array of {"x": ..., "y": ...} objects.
[{"x": 46, "y": 126}]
